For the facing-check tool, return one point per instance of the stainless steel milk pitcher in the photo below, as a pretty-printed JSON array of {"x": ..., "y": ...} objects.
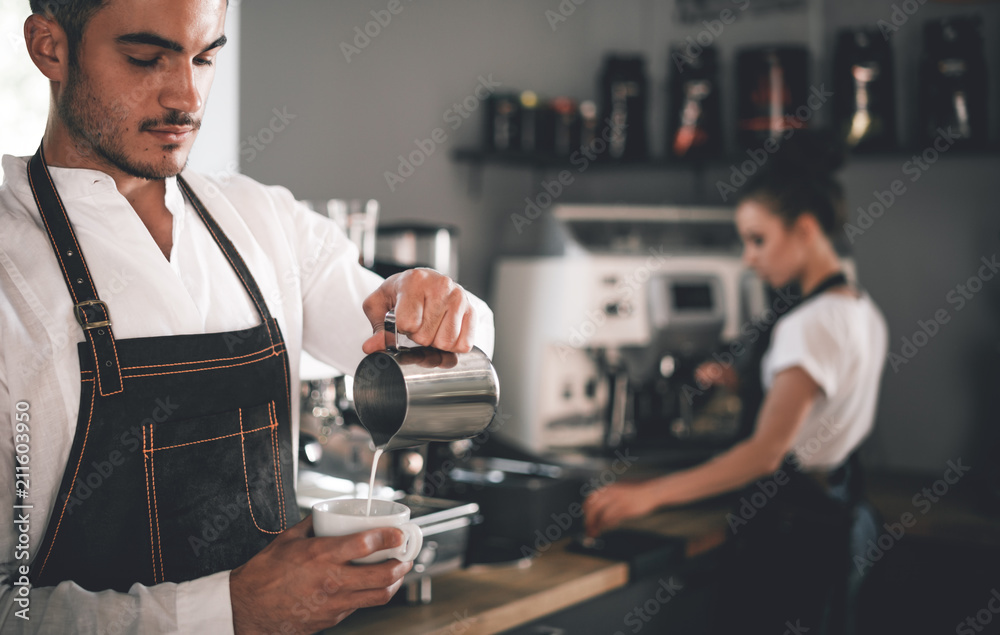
[{"x": 409, "y": 396}]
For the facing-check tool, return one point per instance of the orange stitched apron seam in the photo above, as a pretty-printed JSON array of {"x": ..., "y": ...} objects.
[
  {"x": 93, "y": 398},
  {"x": 246, "y": 480},
  {"x": 225, "y": 436}
]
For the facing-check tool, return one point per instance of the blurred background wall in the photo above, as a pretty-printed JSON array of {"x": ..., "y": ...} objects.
[
  {"x": 354, "y": 118},
  {"x": 289, "y": 107}
]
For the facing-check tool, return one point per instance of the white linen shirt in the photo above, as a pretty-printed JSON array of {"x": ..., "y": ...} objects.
[
  {"x": 841, "y": 342},
  {"x": 307, "y": 271}
]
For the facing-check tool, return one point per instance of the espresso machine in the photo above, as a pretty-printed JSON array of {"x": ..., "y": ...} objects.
[{"x": 598, "y": 346}]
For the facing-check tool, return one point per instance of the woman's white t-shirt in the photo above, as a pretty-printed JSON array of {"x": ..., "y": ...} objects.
[{"x": 841, "y": 341}]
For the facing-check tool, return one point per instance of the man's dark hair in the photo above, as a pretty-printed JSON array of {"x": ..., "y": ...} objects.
[{"x": 71, "y": 15}]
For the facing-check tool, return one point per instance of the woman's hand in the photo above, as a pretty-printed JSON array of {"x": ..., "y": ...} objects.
[
  {"x": 609, "y": 506},
  {"x": 717, "y": 374}
]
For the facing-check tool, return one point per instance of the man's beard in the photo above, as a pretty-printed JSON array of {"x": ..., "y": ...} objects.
[{"x": 98, "y": 128}]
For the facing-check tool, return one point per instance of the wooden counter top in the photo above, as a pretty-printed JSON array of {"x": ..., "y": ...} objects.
[
  {"x": 491, "y": 599},
  {"x": 484, "y": 599},
  {"x": 959, "y": 515}
]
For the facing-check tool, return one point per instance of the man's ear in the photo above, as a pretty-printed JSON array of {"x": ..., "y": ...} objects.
[{"x": 48, "y": 46}]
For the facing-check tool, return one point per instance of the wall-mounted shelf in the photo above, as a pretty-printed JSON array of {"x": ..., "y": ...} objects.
[
  {"x": 479, "y": 159},
  {"x": 534, "y": 161},
  {"x": 529, "y": 160}
]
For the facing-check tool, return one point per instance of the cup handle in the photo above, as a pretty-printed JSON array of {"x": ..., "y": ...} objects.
[{"x": 413, "y": 541}]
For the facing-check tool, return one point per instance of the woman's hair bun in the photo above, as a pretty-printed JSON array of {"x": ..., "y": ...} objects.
[{"x": 819, "y": 153}]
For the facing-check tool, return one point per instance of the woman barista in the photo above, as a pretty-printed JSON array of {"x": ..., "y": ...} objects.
[{"x": 820, "y": 373}]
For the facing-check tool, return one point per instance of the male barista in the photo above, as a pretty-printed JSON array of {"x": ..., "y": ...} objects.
[{"x": 151, "y": 325}]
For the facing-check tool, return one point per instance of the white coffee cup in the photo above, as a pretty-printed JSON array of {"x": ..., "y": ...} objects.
[{"x": 345, "y": 516}]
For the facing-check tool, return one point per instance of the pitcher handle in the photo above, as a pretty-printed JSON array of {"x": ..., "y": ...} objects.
[{"x": 389, "y": 327}]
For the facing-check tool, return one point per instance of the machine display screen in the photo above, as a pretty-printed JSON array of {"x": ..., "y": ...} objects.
[{"x": 692, "y": 297}]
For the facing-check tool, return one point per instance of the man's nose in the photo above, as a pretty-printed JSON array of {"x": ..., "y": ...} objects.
[{"x": 181, "y": 91}]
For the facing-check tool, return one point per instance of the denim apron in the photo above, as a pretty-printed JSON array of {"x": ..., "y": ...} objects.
[
  {"x": 181, "y": 464},
  {"x": 789, "y": 566}
]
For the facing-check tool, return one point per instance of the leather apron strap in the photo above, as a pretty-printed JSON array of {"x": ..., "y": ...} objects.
[
  {"x": 90, "y": 311},
  {"x": 228, "y": 249}
]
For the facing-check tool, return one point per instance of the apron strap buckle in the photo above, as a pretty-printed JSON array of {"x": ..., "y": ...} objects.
[{"x": 80, "y": 311}]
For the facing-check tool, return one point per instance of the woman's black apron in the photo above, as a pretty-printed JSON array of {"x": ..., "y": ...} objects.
[
  {"x": 181, "y": 465},
  {"x": 789, "y": 564}
]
